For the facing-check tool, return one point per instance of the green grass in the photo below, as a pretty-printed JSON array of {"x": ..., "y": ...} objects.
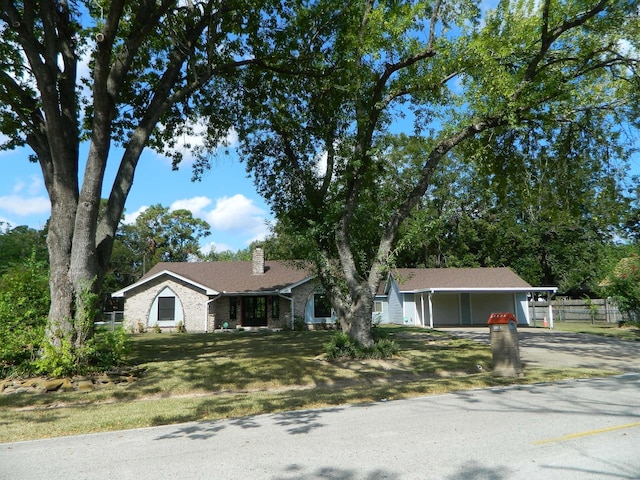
[
  {"x": 212, "y": 376},
  {"x": 630, "y": 333}
]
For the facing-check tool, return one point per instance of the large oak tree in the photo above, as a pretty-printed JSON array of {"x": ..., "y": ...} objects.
[
  {"x": 446, "y": 71},
  {"x": 126, "y": 73}
]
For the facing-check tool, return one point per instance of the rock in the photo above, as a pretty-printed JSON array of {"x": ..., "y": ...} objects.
[
  {"x": 84, "y": 385},
  {"x": 53, "y": 385},
  {"x": 67, "y": 385}
]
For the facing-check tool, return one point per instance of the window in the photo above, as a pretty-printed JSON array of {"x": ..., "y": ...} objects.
[
  {"x": 254, "y": 311},
  {"x": 321, "y": 306},
  {"x": 275, "y": 307},
  {"x": 166, "y": 309},
  {"x": 233, "y": 308},
  {"x": 377, "y": 307}
]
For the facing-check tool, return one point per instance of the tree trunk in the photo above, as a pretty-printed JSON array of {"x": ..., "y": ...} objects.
[
  {"x": 73, "y": 269},
  {"x": 59, "y": 323},
  {"x": 357, "y": 319}
]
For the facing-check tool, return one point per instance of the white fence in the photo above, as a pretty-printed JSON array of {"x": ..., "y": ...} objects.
[
  {"x": 111, "y": 320},
  {"x": 598, "y": 310}
]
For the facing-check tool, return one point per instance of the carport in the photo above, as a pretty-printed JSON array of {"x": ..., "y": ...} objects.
[{"x": 436, "y": 297}]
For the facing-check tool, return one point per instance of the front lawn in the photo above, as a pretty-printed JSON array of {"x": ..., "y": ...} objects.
[
  {"x": 189, "y": 377},
  {"x": 625, "y": 332}
]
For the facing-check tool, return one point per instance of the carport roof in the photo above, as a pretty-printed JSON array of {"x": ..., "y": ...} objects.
[{"x": 460, "y": 279}]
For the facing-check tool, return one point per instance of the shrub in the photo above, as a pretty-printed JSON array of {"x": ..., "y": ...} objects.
[
  {"x": 298, "y": 324},
  {"x": 624, "y": 286},
  {"x": 101, "y": 353},
  {"x": 59, "y": 362},
  {"x": 343, "y": 346},
  {"x": 24, "y": 305}
]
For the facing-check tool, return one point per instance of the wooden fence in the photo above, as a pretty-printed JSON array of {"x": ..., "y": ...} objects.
[{"x": 598, "y": 310}]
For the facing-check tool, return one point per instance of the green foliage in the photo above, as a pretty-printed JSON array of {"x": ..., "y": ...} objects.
[
  {"x": 623, "y": 284},
  {"x": 112, "y": 348},
  {"x": 343, "y": 346},
  {"x": 551, "y": 222},
  {"x": 24, "y": 304},
  {"x": 60, "y": 361},
  {"x": 100, "y": 353},
  {"x": 19, "y": 243},
  {"x": 299, "y": 324},
  {"x": 532, "y": 95}
]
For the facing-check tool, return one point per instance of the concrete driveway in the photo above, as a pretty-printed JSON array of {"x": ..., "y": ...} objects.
[{"x": 550, "y": 348}]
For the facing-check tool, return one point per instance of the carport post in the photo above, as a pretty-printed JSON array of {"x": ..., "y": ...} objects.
[
  {"x": 430, "y": 310},
  {"x": 550, "y": 309}
]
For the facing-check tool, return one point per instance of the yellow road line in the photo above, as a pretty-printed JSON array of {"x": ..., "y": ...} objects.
[{"x": 573, "y": 436}]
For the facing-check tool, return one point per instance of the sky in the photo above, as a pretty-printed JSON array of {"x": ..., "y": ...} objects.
[{"x": 225, "y": 198}]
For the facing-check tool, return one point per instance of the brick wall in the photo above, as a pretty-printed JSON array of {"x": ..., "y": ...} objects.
[
  {"x": 139, "y": 300},
  {"x": 301, "y": 296}
]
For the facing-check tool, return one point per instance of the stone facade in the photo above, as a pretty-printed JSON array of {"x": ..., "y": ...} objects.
[
  {"x": 202, "y": 313},
  {"x": 139, "y": 301},
  {"x": 301, "y": 295}
]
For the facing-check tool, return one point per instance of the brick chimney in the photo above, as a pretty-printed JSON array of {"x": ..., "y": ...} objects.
[{"x": 258, "y": 261}]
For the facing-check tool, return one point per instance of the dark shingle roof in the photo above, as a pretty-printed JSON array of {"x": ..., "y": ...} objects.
[
  {"x": 414, "y": 279},
  {"x": 236, "y": 277}
]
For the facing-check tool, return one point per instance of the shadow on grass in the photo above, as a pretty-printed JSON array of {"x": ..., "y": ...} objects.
[{"x": 239, "y": 361}]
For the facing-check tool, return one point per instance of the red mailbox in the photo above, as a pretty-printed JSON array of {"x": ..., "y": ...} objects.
[{"x": 501, "y": 319}]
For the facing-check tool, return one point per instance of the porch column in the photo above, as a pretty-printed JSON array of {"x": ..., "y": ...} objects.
[
  {"x": 422, "y": 322},
  {"x": 430, "y": 311},
  {"x": 550, "y": 309}
]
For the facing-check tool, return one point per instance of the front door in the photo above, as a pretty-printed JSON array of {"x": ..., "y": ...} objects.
[{"x": 254, "y": 311}]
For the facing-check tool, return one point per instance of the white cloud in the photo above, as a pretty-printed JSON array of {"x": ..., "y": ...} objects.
[
  {"x": 33, "y": 188},
  {"x": 216, "y": 247},
  {"x": 235, "y": 213},
  {"x": 21, "y": 205},
  {"x": 261, "y": 231},
  {"x": 237, "y": 220},
  {"x": 130, "y": 218},
  {"x": 195, "y": 205}
]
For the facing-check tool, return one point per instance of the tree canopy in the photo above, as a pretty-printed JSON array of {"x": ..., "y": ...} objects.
[
  {"x": 525, "y": 82},
  {"x": 317, "y": 90},
  {"x": 127, "y": 73}
]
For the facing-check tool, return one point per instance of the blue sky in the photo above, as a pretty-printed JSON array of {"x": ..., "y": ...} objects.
[{"x": 225, "y": 197}]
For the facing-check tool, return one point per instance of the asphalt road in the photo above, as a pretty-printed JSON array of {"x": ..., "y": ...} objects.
[
  {"x": 553, "y": 349},
  {"x": 588, "y": 429}
]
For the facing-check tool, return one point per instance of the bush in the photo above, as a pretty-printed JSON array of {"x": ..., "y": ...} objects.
[
  {"x": 24, "y": 305},
  {"x": 111, "y": 349},
  {"x": 624, "y": 286},
  {"x": 101, "y": 353},
  {"x": 299, "y": 325},
  {"x": 343, "y": 346}
]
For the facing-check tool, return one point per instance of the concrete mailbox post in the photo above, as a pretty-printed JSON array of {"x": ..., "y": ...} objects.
[{"x": 505, "y": 346}]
